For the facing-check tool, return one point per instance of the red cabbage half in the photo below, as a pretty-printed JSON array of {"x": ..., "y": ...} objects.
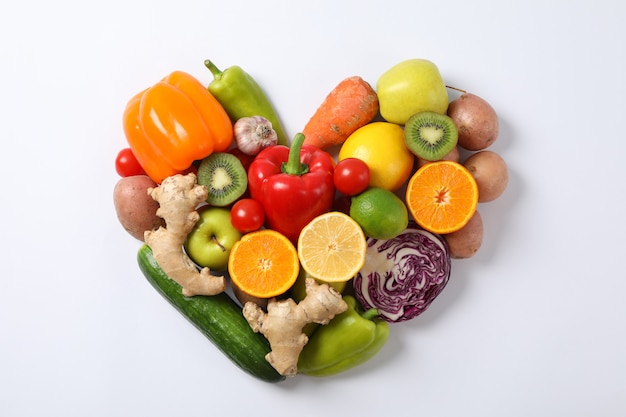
[{"x": 402, "y": 276}]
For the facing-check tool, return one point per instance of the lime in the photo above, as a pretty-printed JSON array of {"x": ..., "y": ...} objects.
[{"x": 380, "y": 213}]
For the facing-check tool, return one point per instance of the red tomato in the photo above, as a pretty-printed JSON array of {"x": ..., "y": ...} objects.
[
  {"x": 247, "y": 215},
  {"x": 126, "y": 164},
  {"x": 351, "y": 176}
]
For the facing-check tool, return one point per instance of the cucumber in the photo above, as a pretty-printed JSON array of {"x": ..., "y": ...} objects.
[{"x": 218, "y": 317}]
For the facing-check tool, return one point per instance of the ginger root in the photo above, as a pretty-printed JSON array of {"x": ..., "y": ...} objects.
[
  {"x": 283, "y": 323},
  {"x": 178, "y": 196}
]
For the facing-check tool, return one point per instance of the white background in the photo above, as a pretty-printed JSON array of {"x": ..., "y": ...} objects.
[{"x": 532, "y": 326}]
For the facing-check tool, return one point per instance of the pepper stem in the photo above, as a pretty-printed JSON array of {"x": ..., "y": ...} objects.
[
  {"x": 370, "y": 314},
  {"x": 294, "y": 166},
  {"x": 217, "y": 73}
]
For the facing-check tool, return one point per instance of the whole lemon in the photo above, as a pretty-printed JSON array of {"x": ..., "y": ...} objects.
[
  {"x": 381, "y": 146},
  {"x": 380, "y": 213}
]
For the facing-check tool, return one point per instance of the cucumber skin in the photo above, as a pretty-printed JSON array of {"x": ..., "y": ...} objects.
[{"x": 218, "y": 317}]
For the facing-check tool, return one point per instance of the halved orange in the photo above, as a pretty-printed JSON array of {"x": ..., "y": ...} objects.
[
  {"x": 263, "y": 264},
  {"x": 442, "y": 196},
  {"x": 332, "y": 247}
]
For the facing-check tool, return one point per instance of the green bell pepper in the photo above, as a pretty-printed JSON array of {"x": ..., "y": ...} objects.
[
  {"x": 241, "y": 96},
  {"x": 350, "y": 339}
]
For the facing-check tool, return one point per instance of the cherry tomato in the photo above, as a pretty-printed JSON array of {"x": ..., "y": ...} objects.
[
  {"x": 247, "y": 215},
  {"x": 126, "y": 164},
  {"x": 351, "y": 176}
]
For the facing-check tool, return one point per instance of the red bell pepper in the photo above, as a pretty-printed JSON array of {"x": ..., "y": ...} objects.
[{"x": 294, "y": 185}]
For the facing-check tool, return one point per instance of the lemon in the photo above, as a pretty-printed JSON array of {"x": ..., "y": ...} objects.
[
  {"x": 381, "y": 146},
  {"x": 381, "y": 213},
  {"x": 332, "y": 247}
]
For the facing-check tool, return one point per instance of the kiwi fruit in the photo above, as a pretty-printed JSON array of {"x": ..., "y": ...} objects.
[
  {"x": 430, "y": 135},
  {"x": 224, "y": 176}
]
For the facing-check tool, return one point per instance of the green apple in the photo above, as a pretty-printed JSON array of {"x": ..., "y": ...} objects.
[
  {"x": 410, "y": 87},
  {"x": 210, "y": 241}
]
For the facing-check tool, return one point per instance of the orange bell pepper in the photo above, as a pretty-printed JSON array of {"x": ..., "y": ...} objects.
[{"x": 174, "y": 123}]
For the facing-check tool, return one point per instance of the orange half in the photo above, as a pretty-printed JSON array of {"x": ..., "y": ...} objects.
[
  {"x": 442, "y": 196},
  {"x": 263, "y": 264}
]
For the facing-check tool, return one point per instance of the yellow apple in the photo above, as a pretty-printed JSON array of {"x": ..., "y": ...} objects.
[{"x": 409, "y": 87}]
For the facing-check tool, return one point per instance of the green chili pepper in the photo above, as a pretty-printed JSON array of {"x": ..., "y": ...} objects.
[
  {"x": 241, "y": 96},
  {"x": 350, "y": 339}
]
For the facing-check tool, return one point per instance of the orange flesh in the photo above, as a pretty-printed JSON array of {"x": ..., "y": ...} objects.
[
  {"x": 442, "y": 196},
  {"x": 264, "y": 264}
]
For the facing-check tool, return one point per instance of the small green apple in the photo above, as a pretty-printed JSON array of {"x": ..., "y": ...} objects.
[
  {"x": 410, "y": 87},
  {"x": 210, "y": 241}
]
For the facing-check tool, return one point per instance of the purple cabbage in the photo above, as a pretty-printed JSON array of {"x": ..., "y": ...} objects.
[{"x": 402, "y": 276}]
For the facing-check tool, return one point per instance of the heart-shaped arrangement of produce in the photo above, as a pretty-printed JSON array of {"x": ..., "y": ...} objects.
[{"x": 296, "y": 255}]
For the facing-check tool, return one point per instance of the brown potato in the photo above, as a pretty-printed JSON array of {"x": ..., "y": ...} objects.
[
  {"x": 244, "y": 297},
  {"x": 453, "y": 155},
  {"x": 135, "y": 209},
  {"x": 476, "y": 121},
  {"x": 490, "y": 172},
  {"x": 465, "y": 242}
]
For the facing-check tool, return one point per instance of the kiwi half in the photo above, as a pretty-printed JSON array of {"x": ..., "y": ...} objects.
[
  {"x": 430, "y": 135},
  {"x": 224, "y": 176}
]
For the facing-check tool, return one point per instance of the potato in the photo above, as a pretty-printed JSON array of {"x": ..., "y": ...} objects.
[
  {"x": 490, "y": 172},
  {"x": 476, "y": 121},
  {"x": 243, "y": 297},
  {"x": 135, "y": 209},
  {"x": 465, "y": 242},
  {"x": 453, "y": 155}
]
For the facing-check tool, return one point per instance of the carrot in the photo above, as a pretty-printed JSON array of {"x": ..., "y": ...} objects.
[{"x": 351, "y": 104}]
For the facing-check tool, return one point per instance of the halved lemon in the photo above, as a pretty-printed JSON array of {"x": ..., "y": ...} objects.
[{"x": 332, "y": 247}]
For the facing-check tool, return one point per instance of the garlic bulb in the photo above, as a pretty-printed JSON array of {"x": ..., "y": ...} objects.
[{"x": 253, "y": 134}]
